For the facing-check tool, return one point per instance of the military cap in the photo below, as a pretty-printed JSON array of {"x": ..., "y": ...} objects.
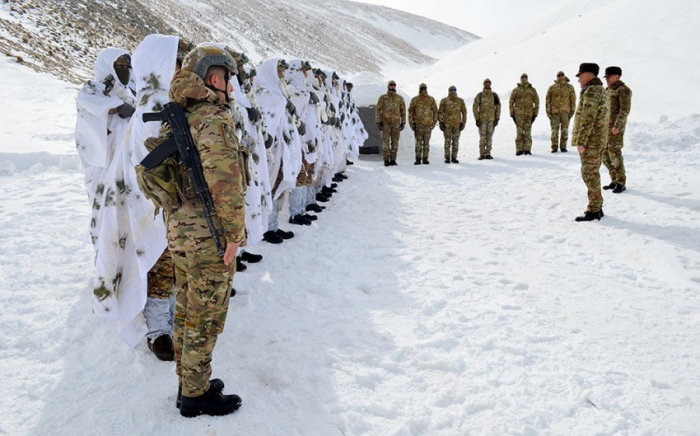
[
  {"x": 588, "y": 67},
  {"x": 422, "y": 86},
  {"x": 613, "y": 71},
  {"x": 203, "y": 57},
  {"x": 391, "y": 82},
  {"x": 487, "y": 80}
]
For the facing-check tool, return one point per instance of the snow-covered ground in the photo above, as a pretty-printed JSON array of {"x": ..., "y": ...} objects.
[{"x": 426, "y": 300}]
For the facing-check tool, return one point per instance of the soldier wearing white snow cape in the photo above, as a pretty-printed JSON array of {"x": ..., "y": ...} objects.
[{"x": 284, "y": 154}]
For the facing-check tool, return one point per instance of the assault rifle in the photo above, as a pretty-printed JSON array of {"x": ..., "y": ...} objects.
[{"x": 180, "y": 142}]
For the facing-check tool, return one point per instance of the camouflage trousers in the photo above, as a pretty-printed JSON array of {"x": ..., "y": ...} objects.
[
  {"x": 161, "y": 278},
  {"x": 590, "y": 173},
  {"x": 390, "y": 141},
  {"x": 560, "y": 130},
  {"x": 451, "y": 142},
  {"x": 613, "y": 160},
  {"x": 523, "y": 134},
  {"x": 203, "y": 290},
  {"x": 485, "y": 138},
  {"x": 423, "y": 141}
]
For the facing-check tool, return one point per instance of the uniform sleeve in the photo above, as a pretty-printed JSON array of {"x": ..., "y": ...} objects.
[
  {"x": 475, "y": 107},
  {"x": 536, "y": 99},
  {"x": 218, "y": 150},
  {"x": 411, "y": 110},
  {"x": 434, "y": 109},
  {"x": 403, "y": 110},
  {"x": 548, "y": 102},
  {"x": 511, "y": 104},
  {"x": 625, "y": 95},
  {"x": 441, "y": 111},
  {"x": 497, "y": 106},
  {"x": 378, "y": 110},
  {"x": 572, "y": 100},
  {"x": 584, "y": 122},
  {"x": 463, "y": 109}
]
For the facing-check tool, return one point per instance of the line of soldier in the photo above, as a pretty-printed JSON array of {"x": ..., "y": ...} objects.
[
  {"x": 523, "y": 105},
  {"x": 281, "y": 130}
]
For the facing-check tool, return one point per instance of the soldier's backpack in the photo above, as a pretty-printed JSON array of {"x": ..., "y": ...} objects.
[{"x": 160, "y": 183}]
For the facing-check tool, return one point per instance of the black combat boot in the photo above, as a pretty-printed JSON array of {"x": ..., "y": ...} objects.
[
  {"x": 216, "y": 384},
  {"x": 347, "y": 162},
  {"x": 454, "y": 160},
  {"x": 447, "y": 160},
  {"x": 162, "y": 347},
  {"x": 299, "y": 220},
  {"x": 328, "y": 191},
  {"x": 488, "y": 156},
  {"x": 527, "y": 152},
  {"x": 564, "y": 150},
  {"x": 619, "y": 188},
  {"x": 417, "y": 162},
  {"x": 482, "y": 157},
  {"x": 590, "y": 216},
  {"x": 518, "y": 153},
  {"x": 554, "y": 150},
  {"x": 387, "y": 163},
  {"x": 425, "y": 161},
  {"x": 240, "y": 266},
  {"x": 313, "y": 207},
  {"x": 272, "y": 237},
  {"x": 612, "y": 185},
  {"x": 210, "y": 403},
  {"x": 393, "y": 163},
  {"x": 284, "y": 235},
  {"x": 322, "y": 197},
  {"x": 341, "y": 176},
  {"x": 334, "y": 185},
  {"x": 251, "y": 258}
]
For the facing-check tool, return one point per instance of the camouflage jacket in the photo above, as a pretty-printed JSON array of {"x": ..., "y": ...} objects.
[
  {"x": 214, "y": 134},
  {"x": 452, "y": 112},
  {"x": 561, "y": 97},
  {"x": 620, "y": 104},
  {"x": 524, "y": 101},
  {"x": 487, "y": 106},
  {"x": 423, "y": 111},
  {"x": 592, "y": 116},
  {"x": 391, "y": 109}
]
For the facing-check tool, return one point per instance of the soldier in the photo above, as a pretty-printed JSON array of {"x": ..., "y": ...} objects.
[
  {"x": 590, "y": 135},
  {"x": 487, "y": 112},
  {"x": 560, "y": 106},
  {"x": 202, "y": 277},
  {"x": 453, "y": 117},
  {"x": 524, "y": 106},
  {"x": 390, "y": 116},
  {"x": 422, "y": 118},
  {"x": 620, "y": 105}
]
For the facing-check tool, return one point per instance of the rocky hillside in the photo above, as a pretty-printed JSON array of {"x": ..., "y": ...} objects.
[{"x": 63, "y": 37}]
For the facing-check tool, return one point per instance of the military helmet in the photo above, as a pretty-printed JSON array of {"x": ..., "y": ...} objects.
[
  {"x": 123, "y": 61},
  {"x": 335, "y": 76},
  {"x": 349, "y": 85},
  {"x": 184, "y": 46},
  {"x": 306, "y": 65},
  {"x": 253, "y": 72},
  {"x": 283, "y": 63},
  {"x": 203, "y": 57},
  {"x": 320, "y": 72}
]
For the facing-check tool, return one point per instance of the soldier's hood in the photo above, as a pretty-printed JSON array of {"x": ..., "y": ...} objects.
[
  {"x": 267, "y": 77},
  {"x": 188, "y": 88},
  {"x": 295, "y": 76},
  {"x": 154, "y": 61},
  {"x": 104, "y": 66},
  {"x": 525, "y": 85}
]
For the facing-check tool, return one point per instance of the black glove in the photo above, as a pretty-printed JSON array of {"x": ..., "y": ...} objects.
[
  {"x": 380, "y": 125},
  {"x": 478, "y": 123},
  {"x": 253, "y": 114},
  {"x": 125, "y": 110},
  {"x": 302, "y": 128},
  {"x": 290, "y": 108},
  {"x": 461, "y": 126},
  {"x": 268, "y": 140},
  {"x": 401, "y": 126},
  {"x": 495, "y": 123},
  {"x": 442, "y": 126},
  {"x": 533, "y": 119},
  {"x": 513, "y": 117},
  {"x": 313, "y": 99}
]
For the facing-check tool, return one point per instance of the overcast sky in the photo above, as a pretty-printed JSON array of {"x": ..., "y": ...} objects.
[{"x": 481, "y": 17}]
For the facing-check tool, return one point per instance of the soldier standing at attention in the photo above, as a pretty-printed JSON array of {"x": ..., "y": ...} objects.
[
  {"x": 620, "y": 105},
  {"x": 560, "y": 106},
  {"x": 453, "y": 117},
  {"x": 591, "y": 135},
  {"x": 203, "y": 278},
  {"x": 524, "y": 106},
  {"x": 487, "y": 112},
  {"x": 390, "y": 116},
  {"x": 422, "y": 118}
]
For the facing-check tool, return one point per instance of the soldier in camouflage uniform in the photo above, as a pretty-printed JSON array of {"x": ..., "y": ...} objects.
[
  {"x": 620, "y": 105},
  {"x": 524, "y": 106},
  {"x": 590, "y": 135},
  {"x": 202, "y": 277},
  {"x": 422, "y": 118},
  {"x": 560, "y": 106},
  {"x": 487, "y": 112},
  {"x": 390, "y": 116},
  {"x": 452, "y": 116}
]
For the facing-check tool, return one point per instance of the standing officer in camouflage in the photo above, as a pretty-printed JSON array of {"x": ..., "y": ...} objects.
[
  {"x": 620, "y": 105},
  {"x": 452, "y": 116},
  {"x": 591, "y": 135},
  {"x": 390, "y": 116},
  {"x": 487, "y": 112},
  {"x": 422, "y": 118},
  {"x": 203, "y": 278},
  {"x": 524, "y": 106},
  {"x": 560, "y": 106}
]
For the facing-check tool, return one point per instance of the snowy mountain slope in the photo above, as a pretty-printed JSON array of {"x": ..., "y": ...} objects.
[
  {"x": 650, "y": 40},
  {"x": 64, "y": 37}
]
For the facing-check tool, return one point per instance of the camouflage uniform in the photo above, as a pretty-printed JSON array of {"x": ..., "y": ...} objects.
[
  {"x": 453, "y": 115},
  {"x": 524, "y": 106},
  {"x": 160, "y": 277},
  {"x": 560, "y": 106},
  {"x": 591, "y": 132},
  {"x": 620, "y": 105},
  {"x": 487, "y": 112},
  {"x": 422, "y": 118},
  {"x": 202, "y": 279},
  {"x": 390, "y": 114}
]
